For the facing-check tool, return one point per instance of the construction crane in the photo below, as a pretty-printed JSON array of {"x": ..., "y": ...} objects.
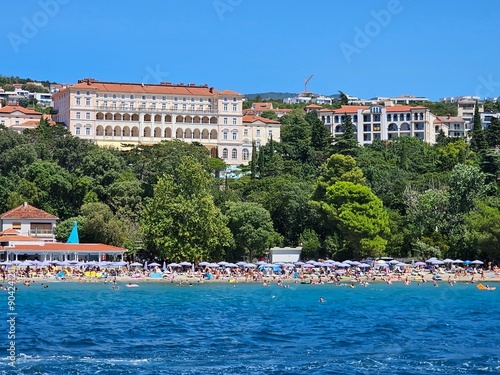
[{"x": 306, "y": 82}]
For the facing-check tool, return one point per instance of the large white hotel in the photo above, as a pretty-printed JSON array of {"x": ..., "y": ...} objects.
[{"x": 114, "y": 114}]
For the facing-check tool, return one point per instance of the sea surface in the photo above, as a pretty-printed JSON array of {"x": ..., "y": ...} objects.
[{"x": 224, "y": 328}]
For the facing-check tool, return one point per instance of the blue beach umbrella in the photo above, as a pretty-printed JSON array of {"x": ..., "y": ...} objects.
[{"x": 467, "y": 262}]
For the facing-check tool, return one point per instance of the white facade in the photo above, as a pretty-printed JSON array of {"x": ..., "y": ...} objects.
[
  {"x": 112, "y": 114},
  {"x": 284, "y": 254}
]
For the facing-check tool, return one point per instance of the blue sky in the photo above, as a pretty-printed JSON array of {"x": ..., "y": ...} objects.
[{"x": 364, "y": 48}]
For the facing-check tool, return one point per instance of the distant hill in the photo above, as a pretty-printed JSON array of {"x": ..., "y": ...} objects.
[
  {"x": 271, "y": 95},
  {"x": 280, "y": 95}
]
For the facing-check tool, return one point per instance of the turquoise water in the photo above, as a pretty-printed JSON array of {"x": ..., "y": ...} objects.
[{"x": 159, "y": 328}]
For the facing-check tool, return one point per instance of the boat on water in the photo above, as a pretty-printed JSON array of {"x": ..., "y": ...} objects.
[{"x": 485, "y": 287}]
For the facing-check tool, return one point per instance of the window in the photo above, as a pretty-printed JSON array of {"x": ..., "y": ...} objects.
[
  {"x": 355, "y": 118},
  {"x": 87, "y": 116},
  {"x": 77, "y": 101},
  {"x": 367, "y": 118},
  {"x": 16, "y": 226},
  {"x": 367, "y": 137},
  {"x": 224, "y": 108},
  {"x": 78, "y": 93},
  {"x": 376, "y": 118},
  {"x": 17, "y": 122},
  {"x": 257, "y": 132},
  {"x": 144, "y": 97},
  {"x": 235, "y": 107},
  {"x": 201, "y": 100},
  {"x": 234, "y": 120},
  {"x": 88, "y": 92},
  {"x": 192, "y": 107},
  {"x": 154, "y": 97},
  {"x": 234, "y": 154},
  {"x": 106, "y": 103},
  {"x": 131, "y": 105},
  {"x": 336, "y": 119},
  {"x": 225, "y": 120},
  {"x": 224, "y": 134},
  {"x": 77, "y": 130},
  {"x": 87, "y": 131},
  {"x": 183, "y": 107},
  {"x": 246, "y": 154},
  {"x": 401, "y": 117},
  {"x": 175, "y": 98},
  {"x": 105, "y": 95},
  {"x": 78, "y": 115},
  {"x": 114, "y": 96},
  {"x": 143, "y": 105},
  {"x": 192, "y": 99},
  {"x": 389, "y": 117},
  {"x": 270, "y": 133},
  {"x": 225, "y": 99},
  {"x": 224, "y": 153},
  {"x": 163, "y": 106},
  {"x": 153, "y": 105},
  {"x": 163, "y": 98},
  {"x": 245, "y": 132},
  {"x": 235, "y": 135},
  {"x": 131, "y": 96},
  {"x": 175, "y": 107},
  {"x": 328, "y": 119}
]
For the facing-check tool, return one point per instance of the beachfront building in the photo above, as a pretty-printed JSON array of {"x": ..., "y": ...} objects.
[
  {"x": 18, "y": 118},
  {"x": 30, "y": 222},
  {"x": 382, "y": 122},
  {"x": 27, "y": 232},
  {"x": 284, "y": 254},
  {"x": 116, "y": 114}
]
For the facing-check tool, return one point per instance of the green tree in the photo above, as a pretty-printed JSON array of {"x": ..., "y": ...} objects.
[
  {"x": 311, "y": 245},
  {"x": 181, "y": 221},
  {"x": 492, "y": 133},
  {"x": 321, "y": 138},
  {"x": 359, "y": 216},
  {"x": 346, "y": 143},
  {"x": 467, "y": 183},
  {"x": 343, "y": 99},
  {"x": 252, "y": 229},
  {"x": 478, "y": 140},
  {"x": 270, "y": 115},
  {"x": 484, "y": 227}
]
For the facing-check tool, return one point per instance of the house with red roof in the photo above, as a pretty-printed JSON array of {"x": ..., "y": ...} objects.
[
  {"x": 28, "y": 233},
  {"x": 19, "y": 118},
  {"x": 29, "y": 221}
]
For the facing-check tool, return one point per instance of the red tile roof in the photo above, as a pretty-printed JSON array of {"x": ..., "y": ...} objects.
[
  {"x": 262, "y": 106},
  {"x": 253, "y": 118},
  {"x": 64, "y": 247},
  {"x": 9, "y": 231},
  {"x": 13, "y": 108},
  {"x": 146, "y": 88},
  {"x": 313, "y": 106},
  {"x": 350, "y": 109},
  {"x": 27, "y": 212}
]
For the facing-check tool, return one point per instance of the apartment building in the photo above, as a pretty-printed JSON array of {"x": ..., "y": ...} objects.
[
  {"x": 114, "y": 114},
  {"x": 18, "y": 118},
  {"x": 382, "y": 122}
]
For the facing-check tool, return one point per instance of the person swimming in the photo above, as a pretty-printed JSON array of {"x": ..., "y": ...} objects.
[{"x": 321, "y": 299}]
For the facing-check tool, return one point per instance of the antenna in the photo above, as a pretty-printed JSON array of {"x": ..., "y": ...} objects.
[{"x": 306, "y": 82}]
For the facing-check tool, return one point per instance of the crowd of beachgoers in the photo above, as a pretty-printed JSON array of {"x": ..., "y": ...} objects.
[{"x": 311, "y": 272}]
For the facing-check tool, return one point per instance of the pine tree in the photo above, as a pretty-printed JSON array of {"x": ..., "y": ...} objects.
[
  {"x": 478, "y": 141},
  {"x": 346, "y": 143},
  {"x": 493, "y": 133}
]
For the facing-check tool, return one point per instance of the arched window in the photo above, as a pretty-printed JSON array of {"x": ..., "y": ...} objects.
[
  {"x": 234, "y": 154},
  {"x": 224, "y": 153},
  {"x": 246, "y": 154}
]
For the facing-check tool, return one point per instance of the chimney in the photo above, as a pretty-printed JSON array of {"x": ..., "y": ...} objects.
[
  {"x": 449, "y": 115},
  {"x": 25, "y": 205}
]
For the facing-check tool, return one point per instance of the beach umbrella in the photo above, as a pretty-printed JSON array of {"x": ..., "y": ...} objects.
[
  {"x": 223, "y": 263},
  {"x": 154, "y": 264},
  {"x": 185, "y": 263},
  {"x": 364, "y": 265},
  {"x": 418, "y": 264},
  {"x": 467, "y": 262},
  {"x": 203, "y": 264},
  {"x": 437, "y": 262},
  {"x": 394, "y": 261},
  {"x": 289, "y": 265},
  {"x": 121, "y": 263},
  {"x": 476, "y": 262},
  {"x": 260, "y": 262},
  {"x": 173, "y": 265},
  {"x": 299, "y": 263},
  {"x": 231, "y": 265},
  {"x": 241, "y": 263},
  {"x": 329, "y": 261},
  {"x": 308, "y": 266},
  {"x": 26, "y": 263},
  {"x": 311, "y": 261},
  {"x": 430, "y": 260},
  {"x": 250, "y": 265},
  {"x": 458, "y": 261},
  {"x": 135, "y": 264},
  {"x": 343, "y": 265},
  {"x": 447, "y": 260},
  {"x": 213, "y": 265},
  {"x": 402, "y": 265}
]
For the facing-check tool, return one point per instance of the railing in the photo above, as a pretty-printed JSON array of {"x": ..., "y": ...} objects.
[
  {"x": 41, "y": 233},
  {"x": 172, "y": 110}
]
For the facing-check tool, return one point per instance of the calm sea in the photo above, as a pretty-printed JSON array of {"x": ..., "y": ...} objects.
[{"x": 159, "y": 328}]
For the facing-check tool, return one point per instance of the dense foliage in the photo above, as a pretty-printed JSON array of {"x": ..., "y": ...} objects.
[{"x": 402, "y": 198}]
